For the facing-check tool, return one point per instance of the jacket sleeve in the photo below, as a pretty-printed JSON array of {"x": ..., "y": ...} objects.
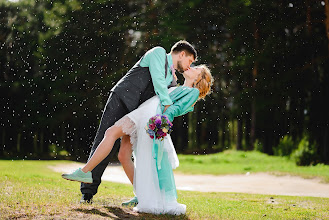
[
  {"x": 183, "y": 105},
  {"x": 157, "y": 69}
]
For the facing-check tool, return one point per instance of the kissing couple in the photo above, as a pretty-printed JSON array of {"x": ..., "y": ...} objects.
[{"x": 149, "y": 88}]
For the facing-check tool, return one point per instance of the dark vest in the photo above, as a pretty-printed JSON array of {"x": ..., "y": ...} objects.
[{"x": 136, "y": 86}]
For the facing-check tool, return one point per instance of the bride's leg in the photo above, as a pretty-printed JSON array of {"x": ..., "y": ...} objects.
[
  {"x": 124, "y": 157},
  {"x": 104, "y": 148}
]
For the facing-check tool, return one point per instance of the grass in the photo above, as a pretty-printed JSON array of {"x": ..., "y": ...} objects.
[
  {"x": 240, "y": 162},
  {"x": 30, "y": 190}
]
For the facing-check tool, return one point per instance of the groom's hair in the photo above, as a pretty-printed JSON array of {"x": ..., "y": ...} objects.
[{"x": 183, "y": 45}]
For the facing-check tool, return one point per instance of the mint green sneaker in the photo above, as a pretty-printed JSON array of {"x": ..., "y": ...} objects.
[
  {"x": 133, "y": 202},
  {"x": 79, "y": 175}
]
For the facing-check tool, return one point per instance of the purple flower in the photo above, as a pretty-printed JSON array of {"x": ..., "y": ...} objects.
[
  {"x": 158, "y": 122},
  {"x": 160, "y": 132}
]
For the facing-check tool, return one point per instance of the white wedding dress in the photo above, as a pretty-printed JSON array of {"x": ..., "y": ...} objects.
[{"x": 151, "y": 199}]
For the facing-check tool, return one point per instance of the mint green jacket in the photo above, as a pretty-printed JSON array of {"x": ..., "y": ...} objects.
[
  {"x": 183, "y": 98},
  {"x": 155, "y": 59}
]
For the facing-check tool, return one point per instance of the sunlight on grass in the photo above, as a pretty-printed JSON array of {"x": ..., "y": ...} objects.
[
  {"x": 240, "y": 162},
  {"x": 28, "y": 189}
]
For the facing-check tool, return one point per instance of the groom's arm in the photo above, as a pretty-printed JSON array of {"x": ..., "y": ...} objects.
[{"x": 157, "y": 60}]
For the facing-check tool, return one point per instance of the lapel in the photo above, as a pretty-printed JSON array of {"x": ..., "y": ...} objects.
[{"x": 168, "y": 64}]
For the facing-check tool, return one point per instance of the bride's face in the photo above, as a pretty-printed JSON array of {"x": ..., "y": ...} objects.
[{"x": 192, "y": 73}]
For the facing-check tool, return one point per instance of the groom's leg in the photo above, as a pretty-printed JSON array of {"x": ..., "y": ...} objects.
[
  {"x": 113, "y": 111},
  {"x": 125, "y": 159},
  {"x": 124, "y": 156}
]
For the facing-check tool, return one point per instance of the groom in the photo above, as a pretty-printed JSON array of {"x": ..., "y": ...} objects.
[{"x": 153, "y": 74}]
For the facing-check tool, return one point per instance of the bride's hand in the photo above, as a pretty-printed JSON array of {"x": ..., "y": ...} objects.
[{"x": 166, "y": 106}]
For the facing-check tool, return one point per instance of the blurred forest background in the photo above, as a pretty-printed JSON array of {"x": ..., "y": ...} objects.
[{"x": 59, "y": 59}]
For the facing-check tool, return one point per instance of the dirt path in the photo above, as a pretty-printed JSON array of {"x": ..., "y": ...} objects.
[{"x": 256, "y": 183}]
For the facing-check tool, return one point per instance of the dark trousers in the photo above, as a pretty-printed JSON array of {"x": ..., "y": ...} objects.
[{"x": 113, "y": 111}]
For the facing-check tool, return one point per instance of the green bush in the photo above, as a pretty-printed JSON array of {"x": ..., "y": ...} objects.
[
  {"x": 305, "y": 154},
  {"x": 258, "y": 146},
  {"x": 285, "y": 147}
]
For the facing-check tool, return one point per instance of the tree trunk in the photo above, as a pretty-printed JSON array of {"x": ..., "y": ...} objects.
[
  {"x": 232, "y": 131},
  {"x": 192, "y": 130},
  {"x": 324, "y": 120},
  {"x": 327, "y": 21},
  {"x": 247, "y": 132},
  {"x": 41, "y": 143},
  {"x": 212, "y": 132},
  {"x": 308, "y": 16},
  {"x": 176, "y": 136},
  {"x": 18, "y": 145},
  {"x": 35, "y": 143},
  {"x": 3, "y": 143},
  {"x": 197, "y": 131},
  {"x": 254, "y": 78},
  {"x": 325, "y": 145},
  {"x": 46, "y": 135},
  {"x": 239, "y": 135},
  {"x": 184, "y": 129},
  {"x": 223, "y": 132},
  {"x": 253, "y": 110}
]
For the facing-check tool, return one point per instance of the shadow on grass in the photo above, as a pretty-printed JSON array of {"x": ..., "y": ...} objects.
[
  {"x": 92, "y": 211},
  {"x": 120, "y": 213},
  {"x": 123, "y": 214}
]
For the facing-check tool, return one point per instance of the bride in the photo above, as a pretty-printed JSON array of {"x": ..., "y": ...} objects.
[{"x": 152, "y": 177}]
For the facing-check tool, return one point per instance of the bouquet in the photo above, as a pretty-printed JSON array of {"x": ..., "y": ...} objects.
[{"x": 158, "y": 126}]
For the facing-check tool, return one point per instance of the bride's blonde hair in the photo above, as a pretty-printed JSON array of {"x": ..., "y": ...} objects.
[{"x": 204, "y": 81}]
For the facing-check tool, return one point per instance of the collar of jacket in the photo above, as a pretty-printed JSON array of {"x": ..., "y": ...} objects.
[{"x": 170, "y": 62}]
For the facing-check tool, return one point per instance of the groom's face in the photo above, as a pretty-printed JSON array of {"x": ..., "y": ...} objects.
[{"x": 184, "y": 62}]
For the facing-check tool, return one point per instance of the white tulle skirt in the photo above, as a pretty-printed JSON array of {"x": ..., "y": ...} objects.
[{"x": 146, "y": 184}]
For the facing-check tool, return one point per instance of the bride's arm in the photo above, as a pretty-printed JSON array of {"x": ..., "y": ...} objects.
[{"x": 182, "y": 105}]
